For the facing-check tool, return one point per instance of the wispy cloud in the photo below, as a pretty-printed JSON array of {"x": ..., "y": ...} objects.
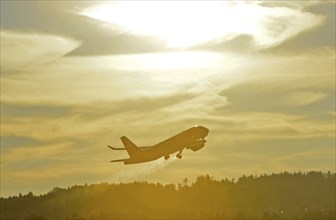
[
  {"x": 20, "y": 50},
  {"x": 306, "y": 97}
]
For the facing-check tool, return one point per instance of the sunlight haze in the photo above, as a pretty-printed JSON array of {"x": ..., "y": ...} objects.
[{"x": 188, "y": 23}]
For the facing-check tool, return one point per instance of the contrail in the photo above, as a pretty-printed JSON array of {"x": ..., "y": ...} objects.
[{"x": 138, "y": 171}]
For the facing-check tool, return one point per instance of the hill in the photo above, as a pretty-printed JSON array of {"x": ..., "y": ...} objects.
[{"x": 278, "y": 196}]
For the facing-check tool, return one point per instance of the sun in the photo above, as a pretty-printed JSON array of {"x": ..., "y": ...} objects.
[{"x": 180, "y": 24}]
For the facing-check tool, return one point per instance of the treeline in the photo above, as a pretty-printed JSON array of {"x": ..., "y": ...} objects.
[{"x": 278, "y": 196}]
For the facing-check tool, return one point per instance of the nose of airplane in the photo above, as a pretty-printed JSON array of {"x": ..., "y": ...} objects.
[{"x": 204, "y": 130}]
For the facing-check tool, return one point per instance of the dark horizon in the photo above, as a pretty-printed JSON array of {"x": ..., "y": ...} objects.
[{"x": 277, "y": 196}]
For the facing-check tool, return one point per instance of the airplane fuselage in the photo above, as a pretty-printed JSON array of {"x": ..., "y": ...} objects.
[{"x": 192, "y": 138}]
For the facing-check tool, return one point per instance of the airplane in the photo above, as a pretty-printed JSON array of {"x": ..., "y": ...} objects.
[{"x": 192, "y": 138}]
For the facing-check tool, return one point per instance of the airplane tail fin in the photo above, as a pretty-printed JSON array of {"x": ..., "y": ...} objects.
[{"x": 129, "y": 145}]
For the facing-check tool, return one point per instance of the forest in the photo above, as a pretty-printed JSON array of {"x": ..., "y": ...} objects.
[{"x": 283, "y": 195}]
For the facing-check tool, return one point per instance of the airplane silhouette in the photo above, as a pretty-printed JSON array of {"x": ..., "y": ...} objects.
[{"x": 192, "y": 138}]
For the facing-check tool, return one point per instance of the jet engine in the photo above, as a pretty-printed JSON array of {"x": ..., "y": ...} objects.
[{"x": 197, "y": 145}]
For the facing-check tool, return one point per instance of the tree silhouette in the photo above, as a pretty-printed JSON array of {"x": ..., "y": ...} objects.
[{"x": 277, "y": 196}]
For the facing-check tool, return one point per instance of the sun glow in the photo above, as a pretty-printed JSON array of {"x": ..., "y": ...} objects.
[{"x": 180, "y": 24}]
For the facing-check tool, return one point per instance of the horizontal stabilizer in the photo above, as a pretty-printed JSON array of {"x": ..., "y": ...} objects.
[
  {"x": 120, "y": 160},
  {"x": 116, "y": 148}
]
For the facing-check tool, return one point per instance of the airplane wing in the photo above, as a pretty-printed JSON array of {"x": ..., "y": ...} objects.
[
  {"x": 120, "y": 148},
  {"x": 120, "y": 160}
]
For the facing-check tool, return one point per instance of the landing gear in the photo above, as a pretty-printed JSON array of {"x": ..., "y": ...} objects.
[
  {"x": 179, "y": 155},
  {"x": 166, "y": 157}
]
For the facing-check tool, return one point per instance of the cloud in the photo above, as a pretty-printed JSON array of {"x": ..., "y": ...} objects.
[
  {"x": 249, "y": 25},
  {"x": 114, "y": 78},
  {"x": 62, "y": 19},
  {"x": 300, "y": 80},
  {"x": 13, "y": 110},
  {"x": 281, "y": 24},
  {"x": 27, "y": 50},
  {"x": 10, "y": 142},
  {"x": 97, "y": 95},
  {"x": 306, "y": 97},
  {"x": 321, "y": 36},
  {"x": 303, "y": 159}
]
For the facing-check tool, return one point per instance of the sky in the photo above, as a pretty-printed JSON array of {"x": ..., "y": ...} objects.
[{"x": 78, "y": 75}]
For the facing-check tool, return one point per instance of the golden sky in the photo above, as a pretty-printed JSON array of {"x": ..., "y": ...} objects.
[{"x": 77, "y": 75}]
